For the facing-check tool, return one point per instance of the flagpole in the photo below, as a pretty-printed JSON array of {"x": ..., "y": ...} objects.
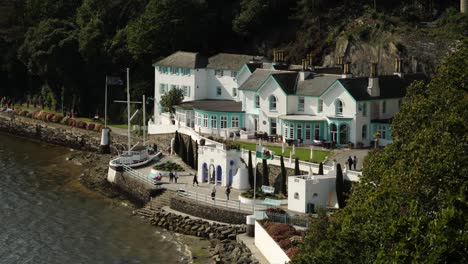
[
  {"x": 128, "y": 108},
  {"x": 255, "y": 182},
  {"x": 105, "y": 106}
]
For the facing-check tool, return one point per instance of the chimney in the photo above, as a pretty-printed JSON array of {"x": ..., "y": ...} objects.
[
  {"x": 373, "y": 88},
  {"x": 275, "y": 57},
  {"x": 347, "y": 70},
  {"x": 278, "y": 56},
  {"x": 463, "y": 6},
  {"x": 310, "y": 61},
  {"x": 339, "y": 61},
  {"x": 305, "y": 72},
  {"x": 399, "y": 67}
]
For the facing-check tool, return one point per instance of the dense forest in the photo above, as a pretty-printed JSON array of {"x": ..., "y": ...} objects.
[{"x": 58, "y": 52}]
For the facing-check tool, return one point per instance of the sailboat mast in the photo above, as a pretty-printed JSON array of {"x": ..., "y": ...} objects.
[
  {"x": 128, "y": 109},
  {"x": 144, "y": 120}
]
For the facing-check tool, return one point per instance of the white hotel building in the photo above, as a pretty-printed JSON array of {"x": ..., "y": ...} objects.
[{"x": 230, "y": 92}]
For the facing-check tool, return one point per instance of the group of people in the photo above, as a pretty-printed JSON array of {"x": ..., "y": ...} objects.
[
  {"x": 352, "y": 162},
  {"x": 227, "y": 192},
  {"x": 173, "y": 177}
]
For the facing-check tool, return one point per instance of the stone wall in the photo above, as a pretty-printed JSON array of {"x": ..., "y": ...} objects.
[
  {"x": 132, "y": 189},
  {"x": 68, "y": 136},
  {"x": 208, "y": 212},
  {"x": 224, "y": 247}
]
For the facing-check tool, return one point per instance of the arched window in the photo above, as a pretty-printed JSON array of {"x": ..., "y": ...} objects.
[
  {"x": 338, "y": 107},
  {"x": 273, "y": 101},
  {"x": 364, "y": 132}
]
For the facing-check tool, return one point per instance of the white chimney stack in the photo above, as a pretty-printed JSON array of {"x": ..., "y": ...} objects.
[
  {"x": 373, "y": 88},
  {"x": 463, "y": 6}
]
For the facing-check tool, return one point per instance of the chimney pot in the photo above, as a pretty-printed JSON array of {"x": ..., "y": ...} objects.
[{"x": 373, "y": 70}]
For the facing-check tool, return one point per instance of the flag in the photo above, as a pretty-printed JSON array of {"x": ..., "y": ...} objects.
[
  {"x": 114, "y": 80},
  {"x": 264, "y": 153}
]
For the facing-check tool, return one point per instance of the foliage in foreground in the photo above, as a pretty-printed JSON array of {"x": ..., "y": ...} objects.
[{"x": 411, "y": 203}]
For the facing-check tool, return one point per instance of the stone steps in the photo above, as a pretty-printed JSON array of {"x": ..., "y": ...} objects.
[{"x": 155, "y": 204}]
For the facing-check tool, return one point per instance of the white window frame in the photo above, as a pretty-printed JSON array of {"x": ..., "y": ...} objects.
[
  {"x": 275, "y": 127},
  {"x": 257, "y": 101},
  {"x": 273, "y": 102},
  {"x": 187, "y": 71},
  {"x": 382, "y": 129},
  {"x": 364, "y": 109},
  {"x": 234, "y": 74},
  {"x": 339, "y": 106},
  {"x": 307, "y": 132},
  {"x": 320, "y": 106},
  {"x": 223, "y": 121},
  {"x": 234, "y": 121},
  {"x": 219, "y": 91},
  {"x": 300, "y": 105},
  {"x": 162, "y": 88},
  {"x": 205, "y": 120},
  {"x": 234, "y": 92},
  {"x": 214, "y": 121},
  {"x": 299, "y": 129},
  {"x": 317, "y": 131}
]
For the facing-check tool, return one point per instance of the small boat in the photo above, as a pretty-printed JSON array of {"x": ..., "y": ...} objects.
[{"x": 137, "y": 157}]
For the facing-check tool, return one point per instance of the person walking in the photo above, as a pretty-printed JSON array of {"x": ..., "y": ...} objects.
[
  {"x": 195, "y": 180},
  {"x": 350, "y": 162},
  {"x": 354, "y": 162},
  {"x": 213, "y": 193},
  {"x": 228, "y": 191},
  {"x": 176, "y": 176},
  {"x": 171, "y": 176}
]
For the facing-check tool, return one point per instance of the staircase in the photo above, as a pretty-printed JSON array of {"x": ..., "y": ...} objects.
[{"x": 156, "y": 203}]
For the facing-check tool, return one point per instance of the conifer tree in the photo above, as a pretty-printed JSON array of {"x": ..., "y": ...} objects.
[
  {"x": 190, "y": 155},
  {"x": 196, "y": 156},
  {"x": 250, "y": 170},
  {"x": 283, "y": 177},
  {"x": 297, "y": 171},
  {"x": 339, "y": 186},
  {"x": 320, "y": 172}
]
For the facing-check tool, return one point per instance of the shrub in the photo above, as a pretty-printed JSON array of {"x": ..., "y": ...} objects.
[
  {"x": 57, "y": 118},
  {"x": 285, "y": 244},
  {"x": 82, "y": 125},
  {"x": 65, "y": 120},
  {"x": 91, "y": 126},
  {"x": 291, "y": 252},
  {"x": 275, "y": 211},
  {"x": 168, "y": 166},
  {"x": 71, "y": 122},
  {"x": 280, "y": 229}
]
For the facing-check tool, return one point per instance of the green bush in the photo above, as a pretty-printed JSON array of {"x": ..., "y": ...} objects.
[
  {"x": 168, "y": 166},
  {"x": 259, "y": 194}
]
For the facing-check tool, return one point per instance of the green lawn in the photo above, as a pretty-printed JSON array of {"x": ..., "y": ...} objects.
[
  {"x": 123, "y": 126},
  {"x": 301, "y": 153}
]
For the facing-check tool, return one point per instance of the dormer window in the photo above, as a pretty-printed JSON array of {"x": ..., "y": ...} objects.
[
  {"x": 273, "y": 101},
  {"x": 300, "y": 104},
  {"x": 320, "y": 106},
  {"x": 338, "y": 107},
  {"x": 257, "y": 101}
]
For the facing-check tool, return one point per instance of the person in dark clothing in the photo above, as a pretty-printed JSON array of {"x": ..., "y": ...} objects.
[
  {"x": 171, "y": 176},
  {"x": 350, "y": 162},
  {"x": 213, "y": 193},
  {"x": 354, "y": 162},
  {"x": 195, "y": 180},
  {"x": 228, "y": 191}
]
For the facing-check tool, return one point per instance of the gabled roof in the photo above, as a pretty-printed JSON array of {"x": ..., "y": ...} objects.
[
  {"x": 228, "y": 61},
  {"x": 391, "y": 86},
  {"x": 254, "y": 81},
  {"x": 315, "y": 86},
  {"x": 184, "y": 59},
  {"x": 286, "y": 80}
]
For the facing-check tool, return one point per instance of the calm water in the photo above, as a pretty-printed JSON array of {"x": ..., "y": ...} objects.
[{"x": 46, "y": 217}]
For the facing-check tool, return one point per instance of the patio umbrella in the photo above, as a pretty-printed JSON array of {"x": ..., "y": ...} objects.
[
  {"x": 311, "y": 153},
  {"x": 282, "y": 147}
]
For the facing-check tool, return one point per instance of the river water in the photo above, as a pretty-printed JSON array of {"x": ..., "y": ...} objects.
[{"x": 47, "y": 217}]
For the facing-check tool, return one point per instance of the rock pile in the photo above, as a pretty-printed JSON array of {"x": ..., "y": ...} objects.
[{"x": 223, "y": 238}]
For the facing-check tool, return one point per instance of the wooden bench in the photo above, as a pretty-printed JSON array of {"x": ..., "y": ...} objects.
[
  {"x": 272, "y": 202},
  {"x": 268, "y": 189}
]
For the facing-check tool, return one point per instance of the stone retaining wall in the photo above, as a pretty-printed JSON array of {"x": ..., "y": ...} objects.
[
  {"x": 224, "y": 247},
  {"x": 132, "y": 189},
  {"x": 54, "y": 133},
  {"x": 206, "y": 211}
]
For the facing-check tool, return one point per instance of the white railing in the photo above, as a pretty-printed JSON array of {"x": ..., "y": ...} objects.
[
  {"x": 145, "y": 179},
  {"x": 217, "y": 202}
]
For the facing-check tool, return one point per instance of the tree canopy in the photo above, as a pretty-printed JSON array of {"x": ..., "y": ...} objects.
[{"x": 410, "y": 205}]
